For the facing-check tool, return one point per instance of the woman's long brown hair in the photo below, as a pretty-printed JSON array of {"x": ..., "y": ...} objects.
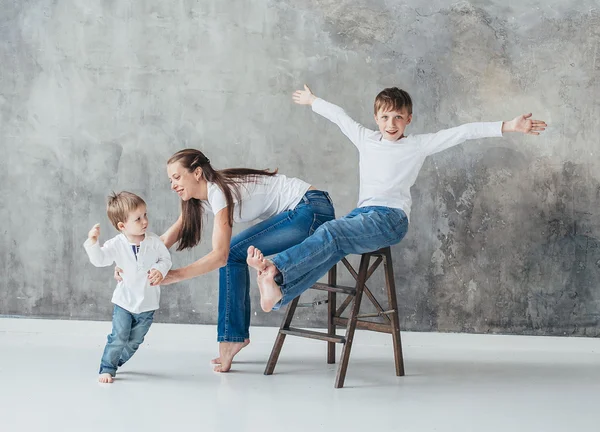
[{"x": 228, "y": 180}]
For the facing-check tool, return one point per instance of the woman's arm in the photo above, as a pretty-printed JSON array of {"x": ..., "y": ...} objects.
[
  {"x": 215, "y": 259},
  {"x": 170, "y": 237}
]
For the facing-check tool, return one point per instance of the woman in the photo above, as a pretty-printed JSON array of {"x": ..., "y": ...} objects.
[{"x": 289, "y": 209}]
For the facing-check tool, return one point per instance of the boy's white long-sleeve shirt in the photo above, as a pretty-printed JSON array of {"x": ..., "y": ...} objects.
[
  {"x": 134, "y": 293},
  {"x": 388, "y": 169}
]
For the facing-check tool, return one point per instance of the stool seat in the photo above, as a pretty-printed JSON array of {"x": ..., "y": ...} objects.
[{"x": 354, "y": 320}]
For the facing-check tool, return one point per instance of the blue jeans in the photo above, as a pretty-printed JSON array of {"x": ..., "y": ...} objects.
[
  {"x": 271, "y": 236},
  {"x": 128, "y": 331},
  {"x": 364, "y": 229}
]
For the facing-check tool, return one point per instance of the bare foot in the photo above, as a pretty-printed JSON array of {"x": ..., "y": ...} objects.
[
  {"x": 270, "y": 293},
  {"x": 105, "y": 378},
  {"x": 227, "y": 350},
  {"x": 217, "y": 361},
  {"x": 256, "y": 260}
]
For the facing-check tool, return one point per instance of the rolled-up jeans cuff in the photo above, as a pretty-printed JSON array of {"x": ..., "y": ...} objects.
[
  {"x": 232, "y": 339},
  {"x": 110, "y": 371},
  {"x": 278, "y": 278}
]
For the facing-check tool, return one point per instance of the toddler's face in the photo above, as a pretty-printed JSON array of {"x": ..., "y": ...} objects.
[{"x": 137, "y": 222}]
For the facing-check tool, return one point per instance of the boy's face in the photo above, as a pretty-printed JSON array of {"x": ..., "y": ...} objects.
[
  {"x": 137, "y": 222},
  {"x": 392, "y": 123}
]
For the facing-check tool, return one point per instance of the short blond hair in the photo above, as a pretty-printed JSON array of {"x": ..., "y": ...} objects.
[
  {"x": 392, "y": 99},
  {"x": 120, "y": 205}
]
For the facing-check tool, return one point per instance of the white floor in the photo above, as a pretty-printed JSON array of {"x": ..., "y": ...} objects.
[{"x": 453, "y": 383}]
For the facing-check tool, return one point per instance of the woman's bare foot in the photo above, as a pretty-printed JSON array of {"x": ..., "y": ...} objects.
[
  {"x": 105, "y": 378},
  {"x": 217, "y": 361},
  {"x": 228, "y": 350}
]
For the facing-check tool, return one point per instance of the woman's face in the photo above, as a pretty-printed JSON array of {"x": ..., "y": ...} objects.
[{"x": 185, "y": 183}]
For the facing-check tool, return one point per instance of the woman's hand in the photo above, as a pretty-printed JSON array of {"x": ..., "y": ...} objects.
[{"x": 172, "y": 277}]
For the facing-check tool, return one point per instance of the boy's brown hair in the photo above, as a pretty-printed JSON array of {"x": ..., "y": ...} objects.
[
  {"x": 393, "y": 99},
  {"x": 120, "y": 205}
]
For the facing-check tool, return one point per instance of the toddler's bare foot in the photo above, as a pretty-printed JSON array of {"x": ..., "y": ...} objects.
[{"x": 105, "y": 378}]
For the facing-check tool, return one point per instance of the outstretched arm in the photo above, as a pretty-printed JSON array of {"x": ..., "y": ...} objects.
[
  {"x": 447, "y": 138},
  {"x": 215, "y": 259},
  {"x": 353, "y": 130}
]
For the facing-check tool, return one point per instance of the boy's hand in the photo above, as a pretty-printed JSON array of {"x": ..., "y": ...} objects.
[
  {"x": 118, "y": 272},
  {"x": 524, "y": 124},
  {"x": 304, "y": 97},
  {"x": 155, "y": 277},
  {"x": 94, "y": 233}
]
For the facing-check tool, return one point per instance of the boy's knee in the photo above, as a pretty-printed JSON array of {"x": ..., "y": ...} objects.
[
  {"x": 133, "y": 346},
  {"x": 120, "y": 338},
  {"x": 327, "y": 231}
]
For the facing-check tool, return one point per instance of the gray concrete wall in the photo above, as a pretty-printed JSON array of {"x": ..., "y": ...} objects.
[{"x": 95, "y": 95}]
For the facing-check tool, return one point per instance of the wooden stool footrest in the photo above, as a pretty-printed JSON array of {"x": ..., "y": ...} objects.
[
  {"x": 377, "y": 314},
  {"x": 292, "y": 331},
  {"x": 365, "y": 325},
  {"x": 336, "y": 289}
]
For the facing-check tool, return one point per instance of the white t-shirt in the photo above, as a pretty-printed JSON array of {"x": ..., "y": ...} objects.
[
  {"x": 388, "y": 169},
  {"x": 268, "y": 196},
  {"x": 133, "y": 293}
]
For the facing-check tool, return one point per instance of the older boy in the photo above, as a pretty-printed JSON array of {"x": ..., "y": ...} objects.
[{"x": 389, "y": 165}]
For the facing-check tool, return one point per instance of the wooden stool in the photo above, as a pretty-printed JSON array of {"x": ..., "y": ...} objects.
[{"x": 390, "y": 322}]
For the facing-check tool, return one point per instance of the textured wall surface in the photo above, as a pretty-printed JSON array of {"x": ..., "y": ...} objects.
[{"x": 96, "y": 95}]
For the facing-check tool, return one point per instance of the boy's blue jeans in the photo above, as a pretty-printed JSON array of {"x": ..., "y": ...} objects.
[
  {"x": 127, "y": 335},
  {"x": 271, "y": 236},
  {"x": 364, "y": 229}
]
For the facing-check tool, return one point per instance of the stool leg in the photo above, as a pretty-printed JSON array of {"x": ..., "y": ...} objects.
[
  {"x": 331, "y": 304},
  {"x": 352, "y": 319},
  {"x": 392, "y": 301},
  {"x": 287, "y": 320}
]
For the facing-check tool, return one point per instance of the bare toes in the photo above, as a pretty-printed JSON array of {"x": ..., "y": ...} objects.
[{"x": 221, "y": 369}]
